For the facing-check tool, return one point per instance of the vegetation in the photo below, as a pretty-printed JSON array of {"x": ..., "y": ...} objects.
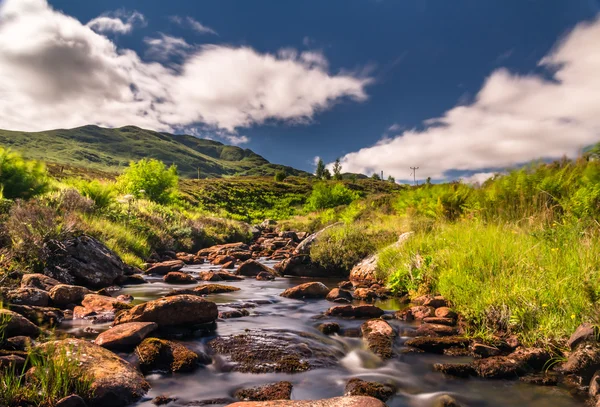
[
  {"x": 150, "y": 178},
  {"x": 20, "y": 178},
  {"x": 325, "y": 195}
]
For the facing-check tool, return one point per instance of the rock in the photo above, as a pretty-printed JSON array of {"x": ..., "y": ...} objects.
[
  {"x": 541, "y": 379},
  {"x": 12, "y": 362},
  {"x": 218, "y": 276},
  {"x": 39, "y": 281},
  {"x": 228, "y": 248},
  {"x": 346, "y": 285},
  {"x": 28, "y": 296},
  {"x": 165, "y": 267},
  {"x": 485, "y": 350},
  {"x": 17, "y": 325},
  {"x": 379, "y": 337},
  {"x": 264, "y": 276},
  {"x": 134, "y": 279},
  {"x": 446, "y": 401},
  {"x": 329, "y": 328},
  {"x": 267, "y": 392},
  {"x": 64, "y": 294},
  {"x": 267, "y": 224},
  {"x": 584, "y": 333},
  {"x": 229, "y": 265},
  {"x": 223, "y": 259},
  {"x": 436, "y": 302},
  {"x": 177, "y": 277},
  {"x": 358, "y": 311},
  {"x": 594, "y": 390},
  {"x": 71, "y": 401},
  {"x": 307, "y": 290},
  {"x": 304, "y": 247},
  {"x": 165, "y": 356},
  {"x": 281, "y": 352},
  {"x": 94, "y": 305},
  {"x": 366, "y": 270},
  {"x": 125, "y": 336},
  {"x": 172, "y": 311},
  {"x": 251, "y": 268},
  {"x": 302, "y": 266},
  {"x": 215, "y": 289},
  {"x": 516, "y": 364},
  {"x": 85, "y": 261},
  {"x": 347, "y": 401},
  {"x": 126, "y": 298},
  {"x": 114, "y": 382},
  {"x": 445, "y": 312},
  {"x": 162, "y": 400},
  {"x": 463, "y": 370},
  {"x": 437, "y": 345},
  {"x": 42, "y": 316},
  {"x": 404, "y": 315},
  {"x": 421, "y": 311},
  {"x": 358, "y": 387},
  {"x": 439, "y": 321},
  {"x": 19, "y": 343},
  {"x": 236, "y": 313},
  {"x": 584, "y": 361},
  {"x": 365, "y": 294},
  {"x": 339, "y": 295},
  {"x": 436, "y": 330}
]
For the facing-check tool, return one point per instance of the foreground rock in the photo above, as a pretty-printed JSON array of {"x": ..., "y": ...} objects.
[
  {"x": 307, "y": 290},
  {"x": 41, "y": 316},
  {"x": 165, "y": 267},
  {"x": 177, "y": 277},
  {"x": 339, "y": 295},
  {"x": 172, "y": 311},
  {"x": 38, "y": 281},
  {"x": 302, "y": 266},
  {"x": 358, "y": 311},
  {"x": 28, "y": 296},
  {"x": 99, "y": 306},
  {"x": 215, "y": 289},
  {"x": 282, "y": 352},
  {"x": 17, "y": 325},
  {"x": 358, "y": 387},
  {"x": 274, "y": 391},
  {"x": 125, "y": 336},
  {"x": 252, "y": 268},
  {"x": 86, "y": 262},
  {"x": 218, "y": 276},
  {"x": 114, "y": 382},
  {"x": 349, "y": 401},
  {"x": 165, "y": 356},
  {"x": 64, "y": 294},
  {"x": 379, "y": 337}
]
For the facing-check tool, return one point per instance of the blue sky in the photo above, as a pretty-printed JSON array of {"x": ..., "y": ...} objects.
[{"x": 412, "y": 60}]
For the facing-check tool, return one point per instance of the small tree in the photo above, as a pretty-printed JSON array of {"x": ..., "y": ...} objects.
[
  {"x": 391, "y": 179},
  {"x": 20, "y": 178},
  {"x": 326, "y": 174},
  {"x": 320, "y": 172},
  {"x": 376, "y": 177},
  {"x": 151, "y": 179},
  {"x": 280, "y": 176},
  {"x": 337, "y": 170}
]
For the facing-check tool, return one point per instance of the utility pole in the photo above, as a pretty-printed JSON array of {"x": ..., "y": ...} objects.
[
  {"x": 382, "y": 175},
  {"x": 414, "y": 169},
  {"x": 198, "y": 173}
]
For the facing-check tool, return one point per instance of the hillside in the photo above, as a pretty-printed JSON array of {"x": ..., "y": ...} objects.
[{"x": 111, "y": 150}]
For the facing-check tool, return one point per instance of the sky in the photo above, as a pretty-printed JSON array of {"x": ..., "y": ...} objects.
[{"x": 461, "y": 88}]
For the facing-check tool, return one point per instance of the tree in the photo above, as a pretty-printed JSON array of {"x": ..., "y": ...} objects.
[
  {"x": 376, "y": 177},
  {"x": 337, "y": 170},
  {"x": 150, "y": 178},
  {"x": 428, "y": 181},
  {"x": 391, "y": 179},
  {"x": 280, "y": 176},
  {"x": 320, "y": 172},
  {"x": 20, "y": 178},
  {"x": 326, "y": 174}
]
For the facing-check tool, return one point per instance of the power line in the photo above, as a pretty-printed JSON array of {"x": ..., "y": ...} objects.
[{"x": 414, "y": 169}]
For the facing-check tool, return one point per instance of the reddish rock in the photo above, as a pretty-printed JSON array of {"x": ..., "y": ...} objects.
[
  {"x": 165, "y": 267},
  {"x": 177, "y": 277},
  {"x": 307, "y": 290},
  {"x": 125, "y": 336},
  {"x": 436, "y": 330},
  {"x": 365, "y": 294},
  {"x": 222, "y": 259},
  {"x": 379, "y": 337},
  {"x": 251, "y": 268},
  {"x": 439, "y": 321},
  {"x": 215, "y": 289},
  {"x": 38, "y": 281},
  {"x": 445, "y": 312},
  {"x": 166, "y": 356},
  {"x": 98, "y": 305},
  {"x": 359, "y": 311},
  {"x": 358, "y": 387},
  {"x": 229, "y": 265},
  {"x": 348, "y": 401},
  {"x": 64, "y": 294},
  {"x": 339, "y": 295},
  {"x": 267, "y": 392},
  {"x": 421, "y": 311}
]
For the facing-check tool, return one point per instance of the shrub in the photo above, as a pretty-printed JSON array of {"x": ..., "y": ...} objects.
[
  {"x": 151, "y": 179},
  {"x": 20, "y": 178},
  {"x": 325, "y": 196},
  {"x": 102, "y": 193},
  {"x": 280, "y": 176}
]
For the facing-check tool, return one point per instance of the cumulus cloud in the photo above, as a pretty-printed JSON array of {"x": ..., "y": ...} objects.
[
  {"x": 56, "y": 72},
  {"x": 189, "y": 22},
  {"x": 120, "y": 22},
  {"x": 513, "y": 118}
]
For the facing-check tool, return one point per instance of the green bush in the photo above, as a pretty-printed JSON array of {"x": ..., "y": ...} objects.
[
  {"x": 329, "y": 195},
  {"x": 280, "y": 176},
  {"x": 102, "y": 193},
  {"x": 20, "y": 178},
  {"x": 150, "y": 179}
]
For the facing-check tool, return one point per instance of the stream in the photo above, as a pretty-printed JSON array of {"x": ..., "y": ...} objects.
[{"x": 418, "y": 385}]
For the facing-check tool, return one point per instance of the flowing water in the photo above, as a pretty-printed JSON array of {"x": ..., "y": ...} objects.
[{"x": 418, "y": 385}]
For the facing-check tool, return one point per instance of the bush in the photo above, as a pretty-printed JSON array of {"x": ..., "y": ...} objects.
[
  {"x": 325, "y": 195},
  {"x": 280, "y": 176},
  {"x": 20, "y": 178},
  {"x": 102, "y": 193},
  {"x": 150, "y": 179}
]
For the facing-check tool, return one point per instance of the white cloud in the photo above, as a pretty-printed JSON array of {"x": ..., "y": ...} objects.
[
  {"x": 512, "y": 120},
  {"x": 120, "y": 22},
  {"x": 164, "y": 46},
  {"x": 236, "y": 140},
  {"x": 195, "y": 25},
  {"x": 58, "y": 73},
  {"x": 316, "y": 160},
  {"x": 478, "y": 178}
]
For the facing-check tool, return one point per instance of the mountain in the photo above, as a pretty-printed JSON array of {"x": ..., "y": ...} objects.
[{"x": 112, "y": 149}]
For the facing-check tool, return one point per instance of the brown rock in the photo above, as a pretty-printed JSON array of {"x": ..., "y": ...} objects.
[
  {"x": 214, "y": 289},
  {"x": 99, "y": 305},
  {"x": 165, "y": 267},
  {"x": 348, "y": 401},
  {"x": 11, "y": 362},
  {"x": 437, "y": 345},
  {"x": 485, "y": 350},
  {"x": 267, "y": 392},
  {"x": 436, "y": 302},
  {"x": 445, "y": 312},
  {"x": 329, "y": 328},
  {"x": 584, "y": 333},
  {"x": 455, "y": 369},
  {"x": 125, "y": 336},
  {"x": 584, "y": 361},
  {"x": 439, "y": 321},
  {"x": 365, "y": 294},
  {"x": 39, "y": 281},
  {"x": 251, "y": 268},
  {"x": 421, "y": 311},
  {"x": 64, "y": 294},
  {"x": 379, "y": 337},
  {"x": 236, "y": 313},
  {"x": 265, "y": 276},
  {"x": 42, "y": 316},
  {"x": 28, "y": 296},
  {"x": 71, "y": 401},
  {"x": 165, "y": 356},
  {"x": 351, "y": 311},
  {"x": 307, "y": 290},
  {"x": 17, "y": 325},
  {"x": 222, "y": 259},
  {"x": 358, "y": 387},
  {"x": 302, "y": 266},
  {"x": 436, "y": 330},
  {"x": 339, "y": 295},
  {"x": 229, "y": 265},
  {"x": 177, "y": 277}
]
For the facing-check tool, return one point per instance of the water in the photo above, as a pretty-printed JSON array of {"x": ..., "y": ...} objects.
[{"x": 412, "y": 374}]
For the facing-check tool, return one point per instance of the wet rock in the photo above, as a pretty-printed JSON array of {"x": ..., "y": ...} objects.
[
  {"x": 19, "y": 343},
  {"x": 172, "y": 311},
  {"x": 218, "y": 276},
  {"x": 358, "y": 311},
  {"x": 485, "y": 350},
  {"x": 437, "y": 345},
  {"x": 162, "y": 400},
  {"x": 125, "y": 298},
  {"x": 302, "y": 266},
  {"x": 134, "y": 279},
  {"x": 265, "y": 276},
  {"x": 17, "y": 325},
  {"x": 365, "y": 294},
  {"x": 358, "y": 387},
  {"x": 347, "y": 401},
  {"x": 251, "y": 268},
  {"x": 436, "y": 302},
  {"x": 114, "y": 382},
  {"x": 165, "y": 267},
  {"x": 455, "y": 369},
  {"x": 165, "y": 356},
  {"x": 584, "y": 333},
  {"x": 39, "y": 281},
  {"x": 64, "y": 294},
  {"x": 439, "y": 321},
  {"x": 445, "y": 312},
  {"x": 267, "y": 392},
  {"x": 307, "y": 290},
  {"x": 584, "y": 361},
  {"x": 420, "y": 312},
  {"x": 282, "y": 352},
  {"x": 177, "y": 277},
  {"x": 236, "y": 313},
  {"x": 446, "y": 401},
  {"x": 514, "y": 365},
  {"x": 223, "y": 259},
  {"x": 404, "y": 315},
  {"x": 540, "y": 379},
  {"x": 436, "y": 330},
  {"x": 329, "y": 328},
  {"x": 125, "y": 336},
  {"x": 12, "y": 362},
  {"x": 42, "y": 316},
  {"x": 379, "y": 337},
  {"x": 339, "y": 295},
  {"x": 71, "y": 401},
  {"x": 94, "y": 305},
  {"x": 85, "y": 261},
  {"x": 346, "y": 285},
  {"x": 28, "y": 296},
  {"x": 215, "y": 289},
  {"x": 223, "y": 249}
]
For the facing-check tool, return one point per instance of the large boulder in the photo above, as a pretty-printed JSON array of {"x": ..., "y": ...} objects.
[
  {"x": 125, "y": 336},
  {"x": 17, "y": 325},
  {"x": 42, "y": 316},
  {"x": 307, "y": 290},
  {"x": 177, "y": 277},
  {"x": 304, "y": 247},
  {"x": 172, "y": 311},
  {"x": 251, "y": 268},
  {"x": 64, "y": 294},
  {"x": 28, "y": 296},
  {"x": 302, "y": 266},
  {"x": 40, "y": 281},
  {"x": 165, "y": 267},
  {"x": 347, "y": 401},
  {"x": 165, "y": 356},
  {"x": 114, "y": 382},
  {"x": 84, "y": 261}
]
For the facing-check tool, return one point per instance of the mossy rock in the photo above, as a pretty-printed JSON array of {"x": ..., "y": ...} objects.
[{"x": 165, "y": 356}]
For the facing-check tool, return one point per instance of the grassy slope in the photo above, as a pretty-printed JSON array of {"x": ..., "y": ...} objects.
[{"x": 111, "y": 150}]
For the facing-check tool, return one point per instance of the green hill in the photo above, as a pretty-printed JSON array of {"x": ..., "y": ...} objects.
[{"x": 111, "y": 150}]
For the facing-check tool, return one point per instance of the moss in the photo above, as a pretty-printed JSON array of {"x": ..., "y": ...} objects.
[{"x": 162, "y": 355}]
